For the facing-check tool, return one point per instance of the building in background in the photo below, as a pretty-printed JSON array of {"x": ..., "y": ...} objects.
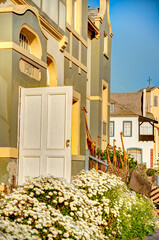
[
  {"x": 55, "y": 60},
  {"x": 152, "y": 106},
  {"x": 128, "y": 115}
]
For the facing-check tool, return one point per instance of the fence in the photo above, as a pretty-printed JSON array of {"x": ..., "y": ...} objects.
[{"x": 89, "y": 158}]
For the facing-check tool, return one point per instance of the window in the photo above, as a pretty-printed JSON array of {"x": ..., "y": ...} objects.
[
  {"x": 23, "y": 42},
  {"x": 112, "y": 107},
  {"x": 127, "y": 128},
  {"x": 136, "y": 154},
  {"x": 155, "y": 101},
  {"x": 146, "y": 128},
  {"x": 30, "y": 41},
  {"x": 111, "y": 129}
]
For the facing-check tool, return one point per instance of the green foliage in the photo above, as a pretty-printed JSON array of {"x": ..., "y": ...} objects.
[
  {"x": 151, "y": 172},
  {"x": 132, "y": 163}
]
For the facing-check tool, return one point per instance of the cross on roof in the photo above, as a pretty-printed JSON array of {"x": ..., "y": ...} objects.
[{"x": 149, "y": 80}]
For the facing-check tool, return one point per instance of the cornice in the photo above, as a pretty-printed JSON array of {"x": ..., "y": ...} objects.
[
  {"x": 46, "y": 25},
  {"x": 93, "y": 28},
  {"x": 104, "y": 9}
]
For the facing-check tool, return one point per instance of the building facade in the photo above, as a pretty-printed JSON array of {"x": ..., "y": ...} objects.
[
  {"x": 55, "y": 60},
  {"x": 129, "y": 115},
  {"x": 152, "y": 98}
]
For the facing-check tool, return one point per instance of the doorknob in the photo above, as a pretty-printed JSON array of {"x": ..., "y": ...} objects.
[{"x": 67, "y": 143}]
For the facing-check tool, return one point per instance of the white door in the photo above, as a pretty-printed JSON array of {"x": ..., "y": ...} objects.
[{"x": 45, "y": 132}]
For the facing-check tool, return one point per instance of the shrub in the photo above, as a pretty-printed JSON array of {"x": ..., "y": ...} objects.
[{"x": 95, "y": 205}]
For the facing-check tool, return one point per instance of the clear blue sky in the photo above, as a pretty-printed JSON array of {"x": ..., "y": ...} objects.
[{"x": 135, "y": 44}]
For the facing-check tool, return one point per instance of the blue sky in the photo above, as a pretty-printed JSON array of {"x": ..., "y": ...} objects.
[{"x": 135, "y": 44}]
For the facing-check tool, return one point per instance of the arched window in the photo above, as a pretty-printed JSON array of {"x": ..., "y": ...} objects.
[
  {"x": 52, "y": 75},
  {"x": 30, "y": 41}
]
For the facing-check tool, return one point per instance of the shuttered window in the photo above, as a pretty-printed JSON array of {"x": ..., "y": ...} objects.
[{"x": 155, "y": 101}]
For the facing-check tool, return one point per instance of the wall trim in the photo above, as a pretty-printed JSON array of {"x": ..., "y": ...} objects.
[
  {"x": 47, "y": 26},
  {"x": 17, "y": 48},
  {"x": 79, "y": 37},
  {"x": 94, "y": 98},
  {"x": 75, "y": 61},
  {"x": 78, "y": 158},
  {"x": 8, "y": 152}
]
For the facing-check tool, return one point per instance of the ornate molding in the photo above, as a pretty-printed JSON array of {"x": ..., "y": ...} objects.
[
  {"x": 21, "y": 9},
  {"x": 63, "y": 43},
  {"x": 45, "y": 24}
]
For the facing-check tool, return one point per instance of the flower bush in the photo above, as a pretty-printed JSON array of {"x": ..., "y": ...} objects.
[{"x": 95, "y": 205}]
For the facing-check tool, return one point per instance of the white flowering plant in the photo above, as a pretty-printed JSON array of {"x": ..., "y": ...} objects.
[{"x": 95, "y": 206}]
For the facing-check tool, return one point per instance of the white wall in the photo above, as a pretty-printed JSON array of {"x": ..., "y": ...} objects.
[{"x": 131, "y": 142}]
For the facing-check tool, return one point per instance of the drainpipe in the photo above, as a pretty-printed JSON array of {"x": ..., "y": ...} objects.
[{"x": 144, "y": 102}]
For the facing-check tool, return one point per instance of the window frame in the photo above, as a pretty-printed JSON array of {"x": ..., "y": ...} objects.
[
  {"x": 155, "y": 101},
  {"x": 130, "y": 128},
  {"x": 113, "y": 122},
  {"x": 136, "y": 148}
]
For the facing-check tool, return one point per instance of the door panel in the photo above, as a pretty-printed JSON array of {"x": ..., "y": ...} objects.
[
  {"x": 31, "y": 166},
  {"x": 32, "y": 123},
  {"x": 59, "y": 163},
  {"x": 45, "y": 126},
  {"x": 56, "y": 107}
]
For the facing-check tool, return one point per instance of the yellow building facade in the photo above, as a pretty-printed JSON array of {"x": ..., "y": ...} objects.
[{"x": 152, "y": 100}]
